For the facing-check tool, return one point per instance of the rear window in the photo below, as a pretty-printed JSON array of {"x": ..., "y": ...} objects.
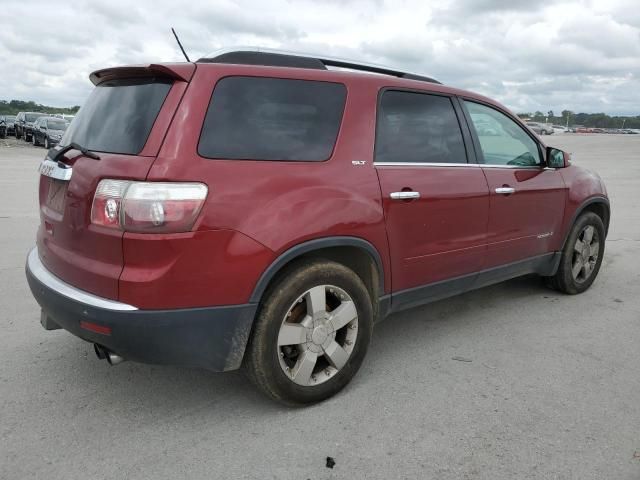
[
  {"x": 257, "y": 118},
  {"x": 118, "y": 116}
]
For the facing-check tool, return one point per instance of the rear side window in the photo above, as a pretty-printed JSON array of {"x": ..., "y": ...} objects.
[
  {"x": 118, "y": 116},
  {"x": 418, "y": 128},
  {"x": 257, "y": 118}
]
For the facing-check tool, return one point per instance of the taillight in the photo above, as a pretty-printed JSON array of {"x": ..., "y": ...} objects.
[{"x": 147, "y": 207}]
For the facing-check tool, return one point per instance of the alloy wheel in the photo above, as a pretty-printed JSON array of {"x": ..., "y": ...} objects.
[
  {"x": 585, "y": 254},
  {"x": 317, "y": 335}
]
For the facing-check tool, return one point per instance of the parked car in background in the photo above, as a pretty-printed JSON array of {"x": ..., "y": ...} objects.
[
  {"x": 47, "y": 131},
  {"x": 24, "y": 124},
  {"x": 10, "y": 123},
  {"x": 559, "y": 129},
  {"x": 540, "y": 128},
  {"x": 259, "y": 210},
  {"x": 3, "y": 127}
]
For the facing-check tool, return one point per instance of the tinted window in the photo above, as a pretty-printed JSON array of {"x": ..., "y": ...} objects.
[
  {"x": 118, "y": 116},
  {"x": 416, "y": 127},
  {"x": 56, "y": 124},
  {"x": 32, "y": 117},
  {"x": 272, "y": 119},
  {"x": 502, "y": 140}
]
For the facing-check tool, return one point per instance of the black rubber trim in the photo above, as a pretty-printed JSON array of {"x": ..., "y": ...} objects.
[
  {"x": 544, "y": 265},
  {"x": 580, "y": 209},
  {"x": 310, "y": 246},
  {"x": 266, "y": 59},
  {"x": 213, "y": 338}
]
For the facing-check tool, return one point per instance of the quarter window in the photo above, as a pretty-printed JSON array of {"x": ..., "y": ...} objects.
[
  {"x": 256, "y": 118},
  {"x": 503, "y": 141},
  {"x": 418, "y": 128}
]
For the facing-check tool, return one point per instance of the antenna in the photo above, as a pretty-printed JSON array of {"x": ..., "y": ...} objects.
[{"x": 180, "y": 45}]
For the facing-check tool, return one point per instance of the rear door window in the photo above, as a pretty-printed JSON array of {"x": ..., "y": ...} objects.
[
  {"x": 257, "y": 118},
  {"x": 418, "y": 128},
  {"x": 118, "y": 115}
]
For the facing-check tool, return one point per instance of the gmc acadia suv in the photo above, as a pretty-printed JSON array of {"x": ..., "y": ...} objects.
[{"x": 259, "y": 209}]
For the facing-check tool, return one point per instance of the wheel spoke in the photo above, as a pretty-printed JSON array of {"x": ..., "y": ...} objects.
[
  {"x": 303, "y": 368},
  {"x": 577, "y": 267},
  {"x": 342, "y": 315},
  {"x": 316, "y": 300},
  {"x": 594, "y": 249},
  {"x": 587, "y": 269},
  {"x": 578, "y": 246},
  {"x": 588, "y": 234},
  {"x": 292, "y": 334},
  {"x": 336, "y": 355}
]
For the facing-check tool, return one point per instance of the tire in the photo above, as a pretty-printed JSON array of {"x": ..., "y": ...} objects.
[
  {"x": 34, "y": 140},
  {"x": 279, "y": 367},
  {"x": 576, "y": 257},
  {"x": 46, "y": 143}
]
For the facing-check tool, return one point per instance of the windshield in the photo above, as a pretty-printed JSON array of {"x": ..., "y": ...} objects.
[
  {"x": 56, "y": 124},
  {"x": 118, "y": 116},
  {"x": 32, "y": 117}
]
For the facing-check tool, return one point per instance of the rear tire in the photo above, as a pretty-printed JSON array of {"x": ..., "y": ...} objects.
[
  {"x": 311, "y": 333},
  {"x": 581, "y": 255}
]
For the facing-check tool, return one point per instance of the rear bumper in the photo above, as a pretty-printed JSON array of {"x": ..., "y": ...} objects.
[{"x": 213, "y": 337}]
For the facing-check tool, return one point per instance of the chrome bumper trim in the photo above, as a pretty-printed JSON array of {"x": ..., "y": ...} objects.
[{"x": 44, "y": 276}]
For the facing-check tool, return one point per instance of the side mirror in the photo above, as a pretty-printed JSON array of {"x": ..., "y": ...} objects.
[
  {"x": 43, "y": 127},
  {"x": 557, "y": 158}
]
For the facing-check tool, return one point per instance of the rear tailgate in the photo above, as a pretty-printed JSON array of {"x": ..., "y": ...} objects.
[{"x": 124, "y": 122}]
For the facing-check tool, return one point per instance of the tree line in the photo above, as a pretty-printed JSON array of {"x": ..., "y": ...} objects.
[
  {"x": 594, "y": 120},
  {"x": 14, "y": 106}
]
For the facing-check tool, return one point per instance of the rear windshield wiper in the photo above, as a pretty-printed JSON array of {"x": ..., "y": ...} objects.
[{"x": 74, "y": 146}]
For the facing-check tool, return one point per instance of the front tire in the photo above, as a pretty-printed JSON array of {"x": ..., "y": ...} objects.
[
  {"x": 46, "y": 143},
  {"x": 581, "y": 255},
  {"x": 311, "y": 334},
  {"x": 34, "y": 140}
]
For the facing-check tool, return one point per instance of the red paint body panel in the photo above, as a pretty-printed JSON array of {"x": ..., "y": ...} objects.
[
  {"x": 442, "y": 234},
  {"x": 582, "y": 185},
  {"x": 281, "y": 204},
  {"x": 86, "y": 255},
  {"x": 527, "y": 222},
  {"x": 195, "y": 269},
  {"x": 79, "y": 253},
  {"x": 256, "y": 210}
]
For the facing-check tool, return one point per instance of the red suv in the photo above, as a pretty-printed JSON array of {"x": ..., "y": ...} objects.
[{"x": 262, "y": 210}]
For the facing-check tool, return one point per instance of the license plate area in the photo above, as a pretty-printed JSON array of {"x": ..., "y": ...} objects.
[{"x": 56, "y": 195}]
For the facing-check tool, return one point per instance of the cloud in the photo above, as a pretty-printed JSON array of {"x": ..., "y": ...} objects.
[{"x": 581, "y": 55}]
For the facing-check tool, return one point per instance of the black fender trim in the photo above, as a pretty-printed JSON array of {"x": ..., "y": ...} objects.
[
  {"x": 580, "y": 209},
  {"x": 310, "y": 246}
]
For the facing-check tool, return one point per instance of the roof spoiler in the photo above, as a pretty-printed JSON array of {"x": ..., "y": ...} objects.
[{"x": 177, "y": 71}]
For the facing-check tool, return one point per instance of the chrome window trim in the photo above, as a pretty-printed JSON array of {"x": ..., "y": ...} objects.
[
  {"x": 424, "y": 164},
  {"x": 476, "y": 165},
  {"x": 44, "y": 276},
  {"x": 49, "y": 168}
]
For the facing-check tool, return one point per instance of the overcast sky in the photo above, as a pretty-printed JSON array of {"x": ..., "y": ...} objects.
[{"x": 529, "y": 54}]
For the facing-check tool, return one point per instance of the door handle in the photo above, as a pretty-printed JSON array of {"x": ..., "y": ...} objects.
[
  {"x": 404, "y": 195},
  {"x": 505, "y": 190}
]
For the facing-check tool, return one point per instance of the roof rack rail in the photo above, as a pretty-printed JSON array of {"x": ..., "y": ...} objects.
[{"x": 281, "y": 58}]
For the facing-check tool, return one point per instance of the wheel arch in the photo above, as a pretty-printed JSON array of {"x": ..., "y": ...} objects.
[
  {"x": 598, "y": 205},
  {"x": 354, "y": 252}
]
